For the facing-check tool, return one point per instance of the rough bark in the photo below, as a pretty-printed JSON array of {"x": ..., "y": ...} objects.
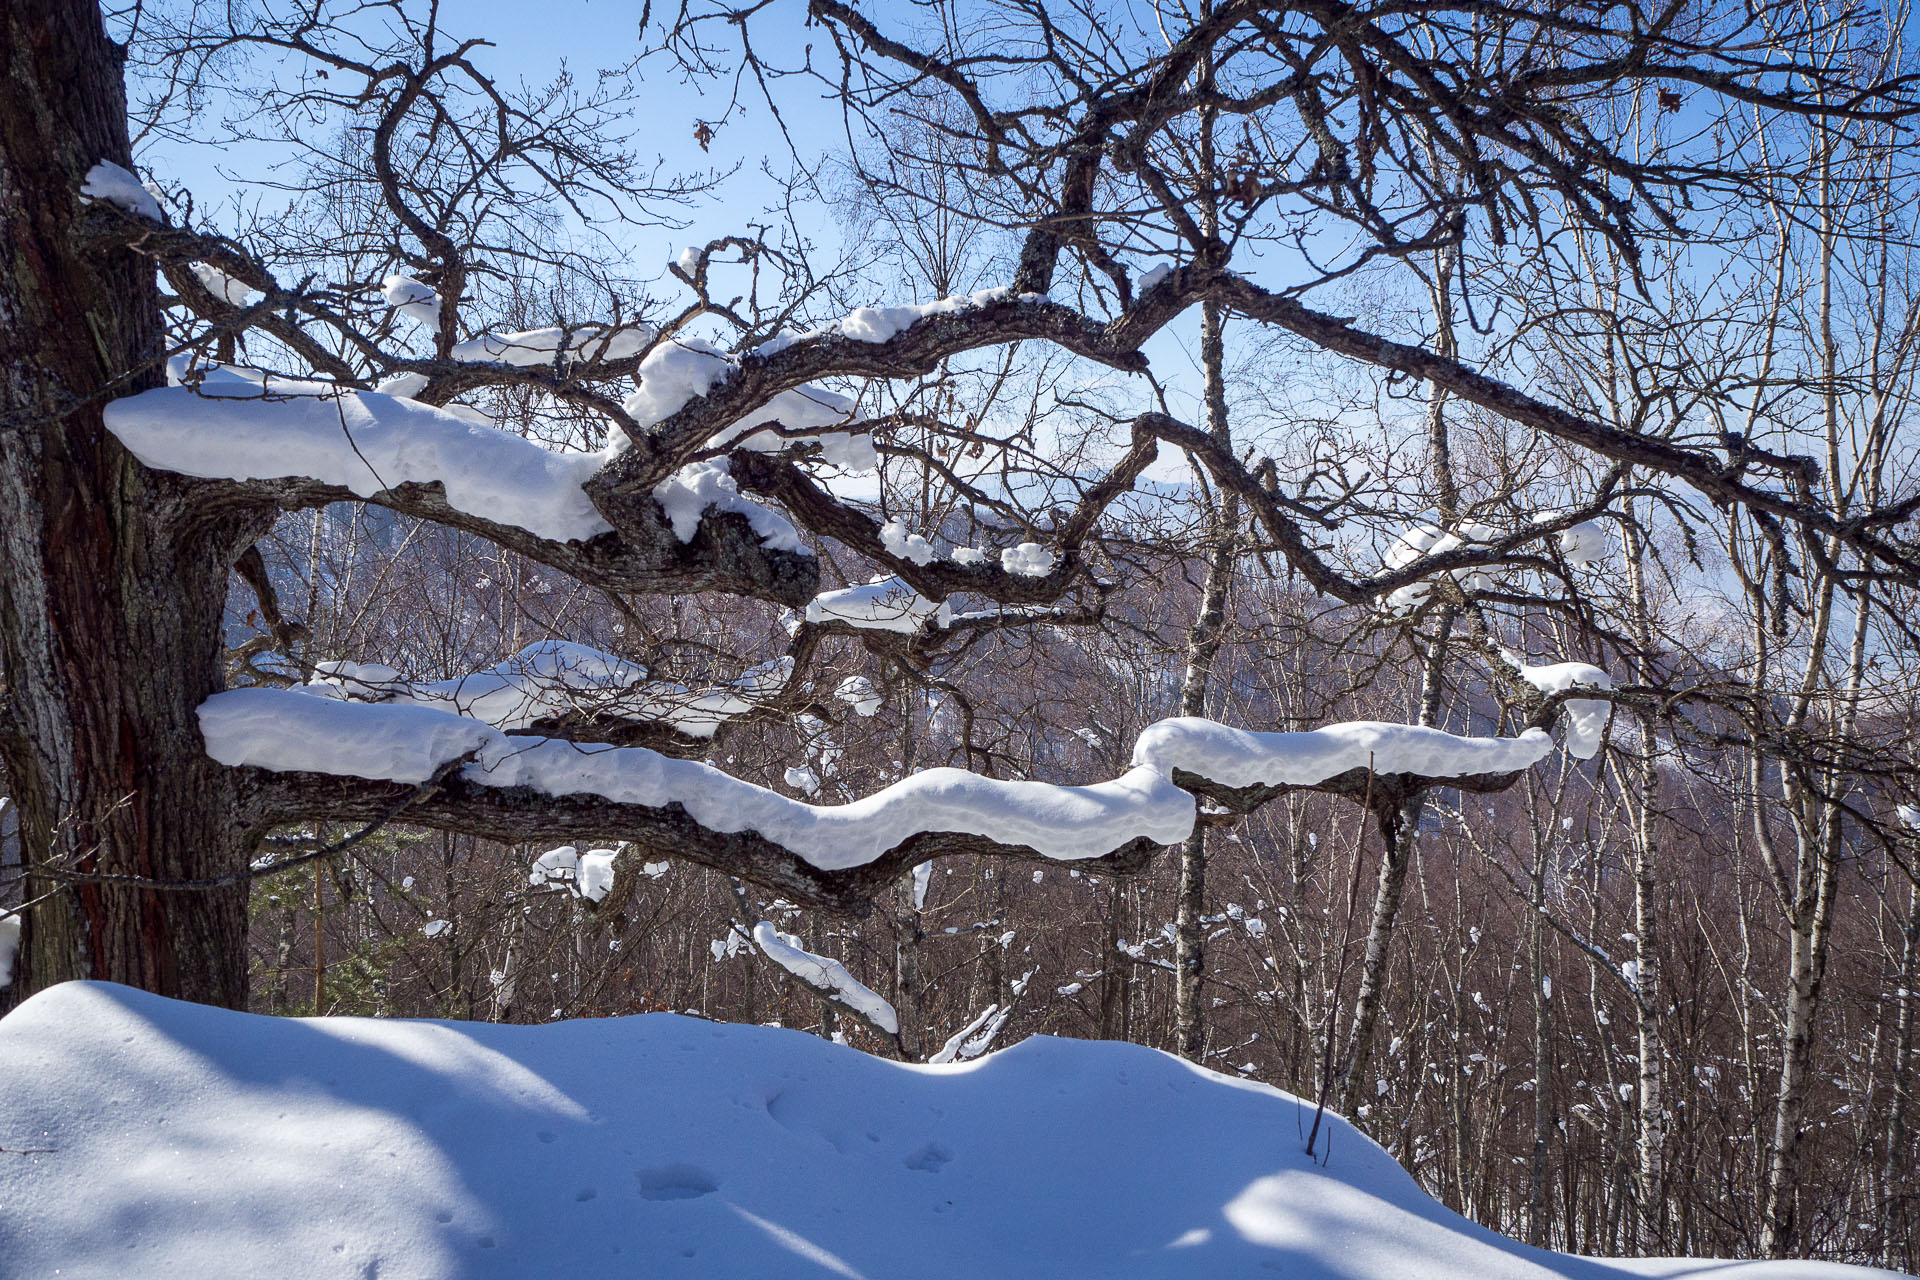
[{"x": 108, "y": 573}]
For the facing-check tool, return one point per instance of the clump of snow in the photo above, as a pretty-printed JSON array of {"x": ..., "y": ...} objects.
[
  {"x": 241, "y": 426},
  {"x": 435, "y": 928},
  {"x": 414, "y": 300},
  {"x": 681, "y": 370},
  {"x": 221, "y": 285},
  {"x": 700, "y": 487},
  {"x": 1029, "y": 559},
  {"x": 1154, "y": 277},
  {"x": 879, "y": 324},
  {"x": 826, "y": 975},
  {"x": 532, "y": 348},
  {"x": 922, "y": 877},
  {"x": 1425, "y": 540},
  {"x": 238, "y": 1146},
  {"x": 967, "y": 556},
  {"x": 1909, "y": 815},
  {"x": 1584, "y": 543},
  {"x": 9, "y": 944},
  {"x": 1586, "y": 718},
  {"x": 803, "y": 780},
  {"x": 109, "y": 182},
  {"x": 283, "y": 730},
  {"x": 911, "y": 547},
  {"x": 885, "y": 604},
  {"x": 588, "y": 875},
  {"x": 1243, "y": 758},
  {"x": 858, "y": 692},
  {"x": 974, "y": 1039},
  {"x": 403, "y": 385}
]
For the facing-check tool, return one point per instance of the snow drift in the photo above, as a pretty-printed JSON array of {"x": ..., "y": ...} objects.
[{"x": 148, "y": 1137}]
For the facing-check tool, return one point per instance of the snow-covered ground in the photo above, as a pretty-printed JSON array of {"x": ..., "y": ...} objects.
[{"x": 143, "y": 1137}]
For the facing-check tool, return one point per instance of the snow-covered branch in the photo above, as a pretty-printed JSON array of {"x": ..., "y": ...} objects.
[{"x": 523, "y": 787}]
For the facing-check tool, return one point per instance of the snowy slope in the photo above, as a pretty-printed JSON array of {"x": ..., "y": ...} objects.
[{"x": 149, "y": 1138}]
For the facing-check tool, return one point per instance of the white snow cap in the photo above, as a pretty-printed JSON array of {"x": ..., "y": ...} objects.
[
  {"x": 1243, "y": 758},
  {"x": 1585, "y": 543},
  {"x": 680, "y": 370},
  {"x": 1029, "y": 560},
  {"x": 1425, "y": 540},
  {"x": 221, "y": 285},
  {"x": 975, "y": 1038},
  {"x": 1909, "y": 815},
  {"x": 911, "y": 547},
  {"x": 826, "y": 975},
  {"x": 283, "y": 730},
  {"x": 109, "y": 182},
  {"x": 588, "y": 875},
  {"x": 243, "y": 425},
  {"x": 700, "y": 487},
  {"x": 1586, "y": 718},
  {"x": 414, "y": 300},
  {"x": 878, "y": 324},
  {"x": 532, "y": 348},
  {"x": 858, "y": 691},
  {"x": 885, "y": 604}
]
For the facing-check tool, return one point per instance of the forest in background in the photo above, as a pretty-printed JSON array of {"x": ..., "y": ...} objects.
[{"x": 1653, "y": 997}]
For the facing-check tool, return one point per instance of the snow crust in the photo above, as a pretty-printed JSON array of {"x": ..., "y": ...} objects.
[
  {"x": 237, "y": 426},
  {"x": 109, "y": 182},
  {"x": 1244, "y": 758},
  {"x": 174, "y": 1140},
  {"x": 284, "y": 730},
  {"x": 825, "y": 974}
]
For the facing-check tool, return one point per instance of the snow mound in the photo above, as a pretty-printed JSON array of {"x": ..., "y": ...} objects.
[{"x": 154, "y": 1138}]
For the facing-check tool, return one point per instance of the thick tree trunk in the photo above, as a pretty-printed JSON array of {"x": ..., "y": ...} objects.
[{"x": 112, "y": 580}]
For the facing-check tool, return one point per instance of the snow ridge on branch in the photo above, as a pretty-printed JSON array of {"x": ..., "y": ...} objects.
[{"x": 292, "y": 732}]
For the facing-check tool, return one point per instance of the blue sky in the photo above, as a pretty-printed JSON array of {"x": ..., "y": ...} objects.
[{"x": 532, "y": 43}]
